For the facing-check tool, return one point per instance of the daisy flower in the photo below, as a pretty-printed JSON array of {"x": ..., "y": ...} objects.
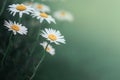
[
  {"x": 63, "y": 15},
  {"x": 20, "y": 8},
  {"x": 43, "y": 16},
  {"x": 41, "y": 7},
  {"x": 49, "y": 48},
  {"x": 54, "y": 36},
  {"x": 15, "y": 27}
]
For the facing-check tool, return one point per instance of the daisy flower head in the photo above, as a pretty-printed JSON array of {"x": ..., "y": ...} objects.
[
  {"x": 54, "y": 36},
  {"x": 63, "y": 15},
  {"x": 20, "y": 8},
  {"x": 16, "y": 27},
  {"x": 41, "y": 7},
  {"x": 49, "y": 48},
  {"x": 43, "y": 16}
]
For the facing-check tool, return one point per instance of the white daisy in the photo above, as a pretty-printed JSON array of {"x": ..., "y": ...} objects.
[
  {"x": 63, "y": 15},
  {"x": 15, "y": 27},
  {"x": 53, "y": 36},
  {"x": 20, "y": 8},
  {"x": 41, "y": 7},
  {"x": 49, "y": 48},
  {"x": 43, "y": 16}
]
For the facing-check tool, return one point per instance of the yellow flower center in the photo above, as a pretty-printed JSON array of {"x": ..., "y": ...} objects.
[
  {"x": 39, "y": 6},
  {"x": 48, "y": 49},
  {"x": 21, "y": 7},
  {"x": 15, "y": 27},
  {"x": 44, "y": 15},
  {"x": 63, "y": 13},
  {"x": 52, "y": 37}
]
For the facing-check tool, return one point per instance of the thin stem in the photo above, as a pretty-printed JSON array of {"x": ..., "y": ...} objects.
[
  {"x": 33, "y": 48},
  {"x": 8, "y": 47},
  {"x": 35, "y": 44},
  {"x": 36, "y": 68},
  {"x": 19, "y": 20},
  {"x": 42, "y": 57},
  {"x": 4, "y": 4}
]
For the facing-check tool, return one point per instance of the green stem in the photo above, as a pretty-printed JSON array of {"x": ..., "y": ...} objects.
[
  {"x": 35, "y": 44},
  {"x": 8, "y": 47},
  {"x": 36, "y": 68},
  {"x": 32, "y": 50},
  {"x": 4, "y": 4},
  {"x": 42, "y": 57},
  {"x": 19, "y": 20}
]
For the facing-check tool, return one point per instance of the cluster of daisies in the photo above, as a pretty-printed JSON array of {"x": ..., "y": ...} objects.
[
  {"x": 61, "y": 15},
  {"x": 40, "y": 12}
]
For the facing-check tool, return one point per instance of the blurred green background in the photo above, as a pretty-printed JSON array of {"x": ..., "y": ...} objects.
[{"x": 92, "y": 51}]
